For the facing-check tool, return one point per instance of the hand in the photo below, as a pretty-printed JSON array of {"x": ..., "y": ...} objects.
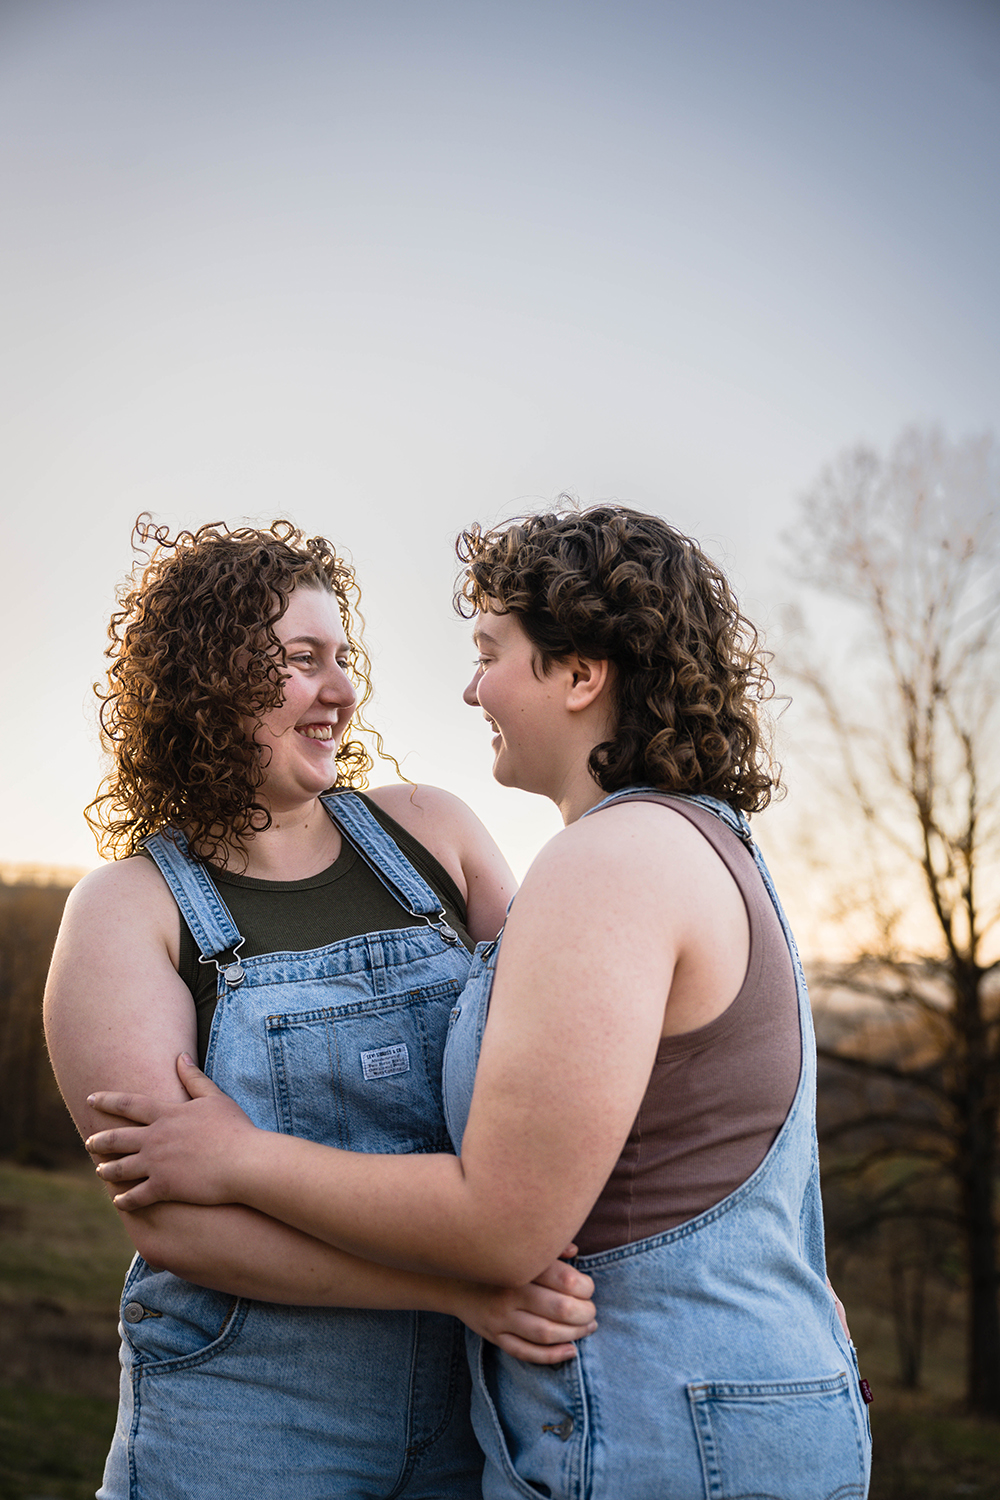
[
  {"x": 841, "y": 1311},
  {"x": 538, "y": 1323},
  {"x": 181, "y": 1153}
]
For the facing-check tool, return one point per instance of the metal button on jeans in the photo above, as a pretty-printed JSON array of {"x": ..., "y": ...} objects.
[
  {"x": 133, "y": 1312},
  {"x": 562, "y": 1430}
]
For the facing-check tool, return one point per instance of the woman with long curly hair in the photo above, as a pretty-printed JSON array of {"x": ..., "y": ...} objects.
[
  {"x": 307, "y": 943},
  {"x": 632, "y": 1066}
]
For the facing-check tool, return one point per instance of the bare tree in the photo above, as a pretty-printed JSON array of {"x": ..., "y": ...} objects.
[{"x": 907, "y": 688}]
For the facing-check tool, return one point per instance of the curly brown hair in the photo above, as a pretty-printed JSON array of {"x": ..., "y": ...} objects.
[
  {"x": 194, "y": 656},
  {"x": 690, "y": 672}
]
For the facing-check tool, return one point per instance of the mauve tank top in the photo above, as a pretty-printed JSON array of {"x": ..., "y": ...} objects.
[{"x": 717, "y": 1096}]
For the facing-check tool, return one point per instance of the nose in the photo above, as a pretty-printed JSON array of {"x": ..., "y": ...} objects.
[
  {"x": 471, "y": 694},
  {"x": 339, "y": 689}
]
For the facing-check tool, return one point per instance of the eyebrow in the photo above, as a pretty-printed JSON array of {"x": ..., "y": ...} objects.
[
  {"x": 312, "y": 640},
  {"x": 484, "y": 635}
]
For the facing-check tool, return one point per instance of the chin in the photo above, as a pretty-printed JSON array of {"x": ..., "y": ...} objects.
[
  {"x": 505, "y": 776},
  {"x": 502, "y": 775}
]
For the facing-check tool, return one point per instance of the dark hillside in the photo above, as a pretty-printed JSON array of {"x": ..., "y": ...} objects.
[{"x": 34, "y": 1125}]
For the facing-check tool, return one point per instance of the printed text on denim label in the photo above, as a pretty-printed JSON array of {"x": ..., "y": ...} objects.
[{"x": 385, "y": 1061}]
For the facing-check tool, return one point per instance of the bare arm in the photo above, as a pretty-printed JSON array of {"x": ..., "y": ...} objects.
[
  {"x": 604, "y": 916},
  {"x": 115, "y": 1008},
  {"x": 458, "y": 841}
]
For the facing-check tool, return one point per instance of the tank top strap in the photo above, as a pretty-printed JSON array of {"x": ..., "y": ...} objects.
[
  {"x": 738, "y": 824},
  {"x": 191, "y": 886},
  {"x": 734, "y": 821},
  {"x": 387, "y": 860}
]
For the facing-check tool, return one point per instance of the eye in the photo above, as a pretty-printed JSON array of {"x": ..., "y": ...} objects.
[
  {"x": 302, "y": 658},
  {"x": 480, "y": 663}
]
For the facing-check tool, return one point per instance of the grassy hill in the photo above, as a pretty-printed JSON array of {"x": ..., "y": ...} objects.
[{"x": 63, "y": 1256}]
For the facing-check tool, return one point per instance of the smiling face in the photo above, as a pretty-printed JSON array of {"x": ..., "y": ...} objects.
[
  {"x": 520, "y": 702},
  {"x": 299, "y": 739}
]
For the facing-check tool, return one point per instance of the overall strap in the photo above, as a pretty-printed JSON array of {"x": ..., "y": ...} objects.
[
  {"x": 387, "y": 860},
  {"x": 202, "y": 908}
]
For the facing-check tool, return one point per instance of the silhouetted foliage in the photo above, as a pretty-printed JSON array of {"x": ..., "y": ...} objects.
[
  {"x": 35, "y": 1127},
  {"x": 909, "y": 545}
]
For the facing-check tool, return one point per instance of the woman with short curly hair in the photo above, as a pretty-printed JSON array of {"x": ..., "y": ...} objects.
[
  {"x": 689, "y": 672},
  {"x": 307, "y": 942},
  {"x": 632, "y": 1066}
]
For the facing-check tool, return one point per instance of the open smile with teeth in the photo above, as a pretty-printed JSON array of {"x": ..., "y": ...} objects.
[{"x": 316, "y": 731}]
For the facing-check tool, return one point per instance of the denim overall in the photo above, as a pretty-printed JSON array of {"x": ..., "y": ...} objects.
[
  {"x": 719, "y": 1369},
  {"x": 222, "y": 1396}
]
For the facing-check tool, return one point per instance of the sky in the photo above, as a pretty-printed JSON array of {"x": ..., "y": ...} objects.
[{"x": 391, "y": 268}]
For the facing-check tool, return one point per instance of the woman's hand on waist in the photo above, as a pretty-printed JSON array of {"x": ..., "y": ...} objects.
[{"x": 538, "y": 1323}]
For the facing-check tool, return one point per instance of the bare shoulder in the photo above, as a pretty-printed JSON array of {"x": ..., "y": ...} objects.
[
  {"x": 627, "y": 841},
  {"x": 122, "y": 881},
  {"x": 459, "y": 842},
  {"x": 125, "y": 903},
  {"x": 439, "y": 820},
  {"x": 642, "y": 867},
  {"x": 116, "y": 878},
  {"x": 417, "y": 806}
]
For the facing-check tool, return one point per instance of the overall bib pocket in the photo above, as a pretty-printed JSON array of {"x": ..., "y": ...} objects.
[{"x": 364, "y": 1077}]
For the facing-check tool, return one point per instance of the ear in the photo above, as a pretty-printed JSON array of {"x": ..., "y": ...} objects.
[{"x": 589, "y": 679}]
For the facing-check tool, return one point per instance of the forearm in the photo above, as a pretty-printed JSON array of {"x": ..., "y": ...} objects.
[
  {"x": 241, "y": 1252},
  {"x": 247, "y": 1254},
  {"x": 414, "y": 1212}
]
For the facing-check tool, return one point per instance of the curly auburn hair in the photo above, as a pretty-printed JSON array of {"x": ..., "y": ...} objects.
[
  {"x": 690, "y": 671},
  {"x": 194, "y": 656}
]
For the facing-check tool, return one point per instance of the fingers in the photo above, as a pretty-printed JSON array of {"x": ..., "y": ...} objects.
[
  {"x": 122, "y": 1169},
  {"x": 549, "y": 1332},
  {"x": 561, "y": 1277},
  {"x": 535, "y": 1354},
  {"x": 841, "y": 1310},
  {"x": 122, "y": 1141},
  {"x": 193, "y": 1079},
  {"x": 138, "y": 1107},
  {"x": 568, "y": 1313},
  {"x": 140, "y": 1196}
]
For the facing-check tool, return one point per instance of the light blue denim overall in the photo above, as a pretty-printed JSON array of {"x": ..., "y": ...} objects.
[
  {"x": 224, "y": 1397},
  {"x": 719, "y": 1369}
]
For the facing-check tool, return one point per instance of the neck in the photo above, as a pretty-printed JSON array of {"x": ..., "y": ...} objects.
[
  {"x": 578, "y": 796},
  {"x": 300, "y": 842}
]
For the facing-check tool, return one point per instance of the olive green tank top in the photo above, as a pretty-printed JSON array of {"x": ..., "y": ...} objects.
[{"x": 293, "y": 916}]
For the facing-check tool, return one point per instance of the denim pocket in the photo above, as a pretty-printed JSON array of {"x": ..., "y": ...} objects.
[
  {"x": 366, "y": 1076},
  {"x": 532, "y": 1423},
  {"x": 779, "y": 1440},
  {"x": 171, "y": 1324}
]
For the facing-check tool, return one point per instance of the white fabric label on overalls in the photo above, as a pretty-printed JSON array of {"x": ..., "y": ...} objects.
[{"x": 386, "y": 1061}]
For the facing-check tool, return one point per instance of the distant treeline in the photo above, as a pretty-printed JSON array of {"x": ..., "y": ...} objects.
[{"x": 34, "y": 1126}]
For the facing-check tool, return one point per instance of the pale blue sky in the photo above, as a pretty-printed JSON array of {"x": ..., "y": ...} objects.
[{"x": 391, "y": 268}]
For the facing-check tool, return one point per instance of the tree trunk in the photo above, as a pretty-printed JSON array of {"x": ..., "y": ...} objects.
[
  {"x": 976, "y": 1164},
  {"x": 908, "y": 1283},
  {"x": 983, "y": 1383}
]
